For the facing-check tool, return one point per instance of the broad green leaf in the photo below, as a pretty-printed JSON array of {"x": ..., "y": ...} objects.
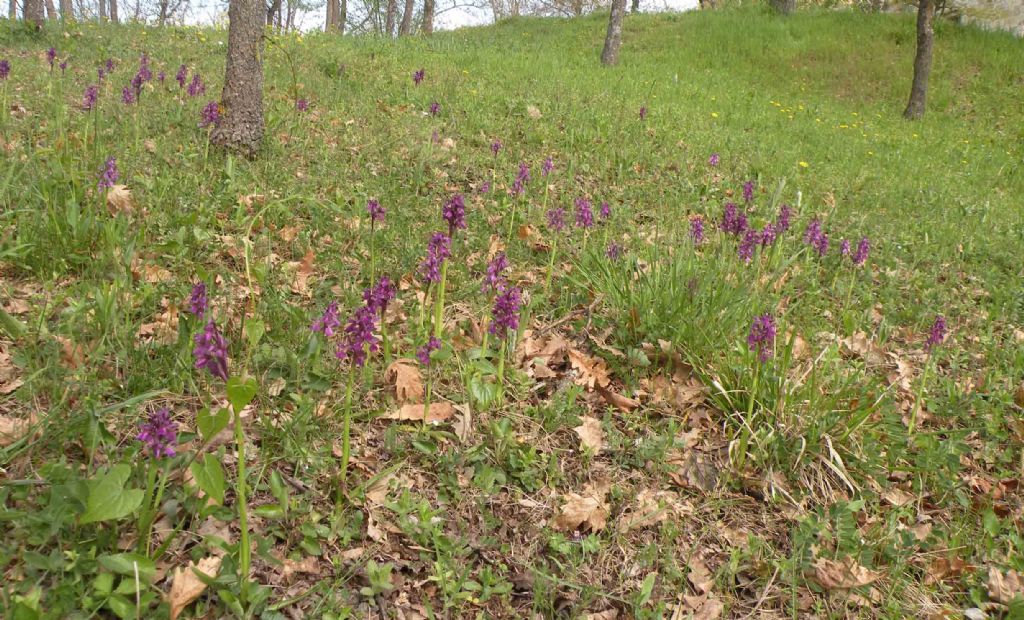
[
  {"x": 241, "y": 392},
  {"x": 269, "y": 511},
  {"x": 108, "y": 497},
  {"x": 125, "y": 564},
  {"x": 103, "y": 584},
  {"x": 210, "y": 477},
  {"x": 278, "y": 489},
  {"x": 210, "y": 424},
  {"x": 254, "y": 330}
]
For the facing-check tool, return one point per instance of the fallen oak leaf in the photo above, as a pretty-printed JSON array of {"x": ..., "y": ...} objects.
[
  {"x": 13, "y": 429},
  {"x": 592, "y": 372},
  {"x": 615, "y": 399},
  {"x": 590, "y": 433},
  {"x": 842, "y": 575},
  {"x": 415, "y": 411},
  {"x": 186, "y": 586},
  {"x": 406, "y": 379},
  {"x": 1003, "y": 588},
  {"x": 119, "y": 199}
]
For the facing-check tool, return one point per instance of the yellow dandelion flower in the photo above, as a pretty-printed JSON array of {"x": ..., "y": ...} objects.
[
  {"x": 714, "y": 115},
  {"x": 804, "y": 164}
]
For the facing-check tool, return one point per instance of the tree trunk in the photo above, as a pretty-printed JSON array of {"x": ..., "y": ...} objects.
[
  {"x": 636, "y": 6},
  {"x": 707, "y": 4},
  {"x": 12, "y": 10},
  {"x": 428, "y": 16},
  {"x": 113, "y": 11},
  {"x": 786, "y": 7},
  {"x": 342, "y": 16},
  {"x": 612, "y": 41},
  {"x": 922, "y": 61},
  {"x": 51, "y": 11},
  {"x": 67, "y": 11},
  {"x": 103, "y": 10},
  {"x": 406, "y": 26},
  {"x": 33, "y": 11},
  {"x": 275, "y": 6},
  {"x": 332, "y": 11},
  {"x": 389, "y": 18},
  {"x": 241, "y": 127}
]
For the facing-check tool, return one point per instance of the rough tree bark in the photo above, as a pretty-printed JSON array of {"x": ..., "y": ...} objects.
[
  {"x": 241, "y": 127},
  {"x": 33, "y": 10},
  {"x": 389, "y": 18},
  {"x": 12, "y": 10},
  {"x": 922, "y": 60},
  {"x": 342, "y": 16},
  {"x": 428, "y": 16},
  {"x": 275, "y": 6},
  {"x": 103, "y": 10},
  {"x": 113, "y": 11},
  {"x": 51, "y": 11},
  {"x": 332, "y": 11},
  {"x": 67, "y": 11},
  {"x": 612, "y": 41},
  {"x": 406, "y": 26}
]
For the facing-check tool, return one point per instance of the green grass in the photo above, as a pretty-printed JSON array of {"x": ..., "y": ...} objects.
[{"x": 768, "y": 470}]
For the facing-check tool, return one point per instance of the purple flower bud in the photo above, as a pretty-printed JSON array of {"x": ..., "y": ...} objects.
[
  {"x": 359, "y": 340},
  {"x": 423, "y": 353},
  {"x": 821, "y": 244},
  {"x": 614, "y": 251},
  {"x": 697, "y": 229},
  {"x": 101, "y": 73},
  {"x": 782, "y": 221},
  {"x": 197, "y": 301},
  {"x": 584, "y": 215},
  {"x": 547, "y": 167},
  {"x": 209, "y": 116},
  {"x": 761, "y": 338},
  {"x": 713, "y": 160},
  {"x": 435, "y": 107},
  {"x": 211, "y": 351},
  {"x": 812, "y": 232},
  {"x": 181, "y": 76},
  {"x": 302, "y": 105},
  {"x": 556, "y": 219},
  {"x": 438, "y": 250},
  {"x": 127, "y": 96},
  {"x": 89, "y": 98},
  {"x": 495, "y": 147},
  {"x": 160, "y": 77},
  {"x": 196, "y": 86},
  {"x": 605, "y": 211},
  {"x": 159, "y": 433},
  {"x": 454, "y": 212},
  {"x": 748, "y": 192},
  {"x": 937, "y": 334},
  {"x": 376, "y": 211},
  {"x": 733, "y": 221},
  {"x": 643, "y": 112},
  {"x": 5, "y": 68},
  {"x": 63, "y": 66},
  {"x": 861, "y": 255},
  {"x": 485, "y": 187},
  {"x": 505, "y": 313},
  {"x": 417, "y": 77},
  {"x": 51, "y": 56},
  {"x": 378, "y": 297},
  {"x": 108, "y": 174},
  {"x": 844, "y": 247},
  {"x": 109, "y": 65},
  {"x": 327, "y": 322},
  {"x": 751, "y": 239},
  {"x": 495, "y": 278},
  {"x": 768, "y": 235}
]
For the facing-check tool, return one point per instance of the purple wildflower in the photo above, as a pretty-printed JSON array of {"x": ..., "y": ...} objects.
[
  {"x": 302, "y": 105},
  {"x": 5, "y": 68},
  {"x": 417, "y": 77},
  {"x": 813, "y": 231},
  {"x": 937, "y": 334},
  {"x": 485, "y": 187},
  {"x": 495, "y": 147},
  {"x": 844, "y": 247},
  {"x": 423, "y": 353},
  {"x": 556, "y": 219},
  {"x": 762, "y": 336},
  {"x": 89, "y": 97},
  {"x": 733, "y": 221},
  {"x": 584, "y": 214},
  {"x": 643, "y": 112},
  {"x": 748, "y": 191},
  {"x": 211, "y": 351},
  {"x": 438, "y": 250},
  {"x": 101, "y": 73},
  {"x": 821, "y": 244},
  {"x": 697, "y": 229},
  {"x": 198, "y": 301},
  {"x": 614, "y": 251},
  {"x": 181, "y": 76},
  {"x": 435, "y": 137},
  {"x": 547, "y": 167},
  {"x": 109, "y": 65},
  {"x": 159, "y": 433},
  {"x": 209, "y": 116},
  {"x": 160, "y": 77},
  {"x": 328, "y": 321},
  {"x": 522, "y": 177},
  {"x": 63, "y": 66},
  {"x": 435, "y": 107},
  {"x": 782, "y": 221},
  {"x": 51, "y": 56},
  {"x": 108, "y": 174},
  {"x": 495, "y": 278},
  {"x": 359, "y": 340},
  {"x": 196, "y": 86},
  {"x": 137, "y": 86},
  {"x": 505, "y": 313},
  {"x": 127, "y": 96},
  {"x": 144, "y": 74},
  {"x": 714, "y": 159},
  {"x": 861, "y": 255},
  {"x": 376, "y": 211},
  {"x": 769, "y": 234},
  {"x": 605, "y": 211},
  {"x": 454, "y": 212},
  {"x": 379, "y": 296},
  {"x": 751, "y": 239}
]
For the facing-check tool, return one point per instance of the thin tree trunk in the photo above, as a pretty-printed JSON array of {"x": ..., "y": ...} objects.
[
  {"x": 67, "y": 11},
  {"x": 406, "y": 26},
  {"x": 922, "y": 61},
  {"x": 51, "y": 11},
  {"x": 332, "y": 11},
  {"x": 612, "y": 41},
  {"x": 241, "y": 127},
  {"x": 33, "y": 10},
  {"x": 113, "y": 11},
  {"x": 12, "y": 10},
  {"x": 275, "y": 6},
  {"x": 428, "y": 16},
  {"x": 103, "y": 10},
  {"x": 636, "y": 6},
  {"x": 342, "y": 16},
  {"x": 389, "y": 18}
]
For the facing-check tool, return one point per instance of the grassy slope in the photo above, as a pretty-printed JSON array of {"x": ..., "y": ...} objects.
[{"x": 940, "y": 200}]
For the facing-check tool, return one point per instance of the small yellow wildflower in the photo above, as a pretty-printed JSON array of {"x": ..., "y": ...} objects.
[
  {"x": 804, "y": 164},
  {"x": 714, "y": 115}
]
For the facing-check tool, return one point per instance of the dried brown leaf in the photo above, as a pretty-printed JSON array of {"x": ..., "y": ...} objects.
[
  {"x": 842, "y": 575},
  {"x": 591, "y": 372},
  {"x": 590, "y": 434},
  {"x": 119, "y": 200},
  {"x": 404, "y": 376},
  {"x": 1004, "y": 587},
  {"x": 620, "y": 401},
  {"x": 415, "y": 411},
  {"x": 186, "y": 586}
]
